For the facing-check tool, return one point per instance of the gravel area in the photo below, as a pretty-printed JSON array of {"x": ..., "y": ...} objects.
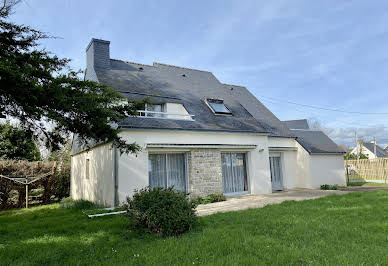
[{"x": 258, "y": 201}]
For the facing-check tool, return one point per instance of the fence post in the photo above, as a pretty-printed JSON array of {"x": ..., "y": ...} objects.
[{"x": 26, "y": 195}]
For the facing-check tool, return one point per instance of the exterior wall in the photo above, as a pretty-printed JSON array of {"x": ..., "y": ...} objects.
[
  {"x": 205, "y": 170},
  {"x": 303, "y": 168},
  {"x": 366, "y": 152},
  {"x": 133, "y": 169},
  {"x": 327, "y": 169},
  {"x": 288, "y": 160},
  {"x": 99, "y": 187},
  {"x": 177, "y": 108}
]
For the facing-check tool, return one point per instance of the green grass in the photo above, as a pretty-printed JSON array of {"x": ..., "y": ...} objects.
[
  {"x": 367, "y": 184},
  {"x": 350, "y": 229}
]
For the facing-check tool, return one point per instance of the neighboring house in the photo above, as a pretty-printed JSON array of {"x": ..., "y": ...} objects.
[
  {"x": 370, "y": 149},
  {"x": 199, "y": 135}
]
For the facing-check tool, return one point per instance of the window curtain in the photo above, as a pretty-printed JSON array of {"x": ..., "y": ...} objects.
[
  {"x": 166, "y": 170},
  {"x": 234, "y": 172},
  {"x": 176, "y": 171},
  {"x": 275, "y": 169},
  {"x": 157, "y": 170}
]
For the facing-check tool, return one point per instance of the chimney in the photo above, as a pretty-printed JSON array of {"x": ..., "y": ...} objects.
[{"x": 97, "y": 54}]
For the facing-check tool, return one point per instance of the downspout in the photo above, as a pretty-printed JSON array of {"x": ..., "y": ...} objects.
[{"x": 115, "y": 183}]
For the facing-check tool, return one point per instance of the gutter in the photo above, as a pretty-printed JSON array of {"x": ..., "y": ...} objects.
[
  {"x": 126, "y": 127},
  {"x": 115, "y": 183}
]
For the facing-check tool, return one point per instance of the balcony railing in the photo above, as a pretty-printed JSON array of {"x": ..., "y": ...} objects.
[{"x": 164, "y": 115}]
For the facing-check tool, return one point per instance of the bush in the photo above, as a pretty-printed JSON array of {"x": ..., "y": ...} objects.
[
  {"x": 165, "y": 212},
  {"x": 329, "y": 187},
  {"x": 209, "y": 199},
  {"x": 68, "y": 203}
]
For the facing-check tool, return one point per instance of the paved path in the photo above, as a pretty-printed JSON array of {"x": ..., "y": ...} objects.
[{"x": 258, "y": 201}]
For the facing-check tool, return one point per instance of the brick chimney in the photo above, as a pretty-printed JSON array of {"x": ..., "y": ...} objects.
[{"x": 97, "y": 54}]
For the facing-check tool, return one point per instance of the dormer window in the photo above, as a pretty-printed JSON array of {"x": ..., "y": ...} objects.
[
  {"x": 157, "y": 108},
  {"x": 218, "y": 106},
  {"x": 166, "y": 111}
]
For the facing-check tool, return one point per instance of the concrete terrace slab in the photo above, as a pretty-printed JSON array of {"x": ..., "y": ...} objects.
[{"x": 259, "y": 201}]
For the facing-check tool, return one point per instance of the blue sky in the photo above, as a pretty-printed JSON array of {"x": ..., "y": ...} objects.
[{"x": 325, "y": 53}]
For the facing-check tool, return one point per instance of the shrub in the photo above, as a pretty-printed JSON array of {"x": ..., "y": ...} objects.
[
  {"x": 329, "y": 187},
  {"x": 209, "y": 199},
  {"x": 68, "y": 203},
  {"x": 165, "y": 212}
]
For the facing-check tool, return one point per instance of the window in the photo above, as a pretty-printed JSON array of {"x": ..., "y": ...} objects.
[
  {"x": 166, "y": 170},
  {"x": 87, "y": 169},
  {"x": 218, "y": 106},
  {"x": 154, "y": 108},
  {"x": 234, "y": 173}
]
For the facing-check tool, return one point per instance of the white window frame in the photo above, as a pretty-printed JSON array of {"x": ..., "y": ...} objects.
[
  {"x": 246, "y": 159},
  {"x": 185, "y": 162}
]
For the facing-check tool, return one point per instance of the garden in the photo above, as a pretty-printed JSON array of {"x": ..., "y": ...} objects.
[{"x": 346, "y": 229}]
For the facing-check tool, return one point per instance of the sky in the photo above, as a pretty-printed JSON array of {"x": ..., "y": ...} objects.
[{"x": 328, "y": 54}]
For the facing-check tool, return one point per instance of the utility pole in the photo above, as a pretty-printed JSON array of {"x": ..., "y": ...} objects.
[
  {"x": 374, "y": 146},
  {"x": 357, "y": 147}
]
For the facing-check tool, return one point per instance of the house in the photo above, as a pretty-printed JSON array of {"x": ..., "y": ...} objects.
[
  {"x": 199, "y": 135},
  {"x": 370, "y": 149},
  {"x": 325, "y": 161}
]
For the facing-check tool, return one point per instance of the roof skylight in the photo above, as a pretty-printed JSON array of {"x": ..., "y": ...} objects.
[{"x": 218, "y": 106}]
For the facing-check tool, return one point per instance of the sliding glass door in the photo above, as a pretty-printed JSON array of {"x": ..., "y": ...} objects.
[
  {"x": 234, "y": 174},
  {"x": 166, "y": 170}
]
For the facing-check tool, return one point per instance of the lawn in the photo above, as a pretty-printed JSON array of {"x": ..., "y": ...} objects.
[
  {"x": 367, "y": 184},
  {"x": 348, "y": 229}
]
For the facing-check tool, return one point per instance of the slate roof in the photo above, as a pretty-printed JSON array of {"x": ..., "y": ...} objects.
[
  {"x": 168, "y": 84},
  {"x": 380, "y": 152},
  {"x": 297, "y": 124},
  {"x": 317, "y": 142},
  {"x": 314, "y": 141}
]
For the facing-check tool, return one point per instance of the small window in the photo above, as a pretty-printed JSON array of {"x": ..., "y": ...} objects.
[
  {"x": 218, "y": 106},
  {"x": 155, "y": 108},
  {"x": 87, "y": 169}
]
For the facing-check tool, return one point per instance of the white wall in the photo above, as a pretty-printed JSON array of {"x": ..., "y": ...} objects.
[
  {"x": 288, "y": 160},
  {"x": 133, "y": 169},
  {"x": 365, "y": 151},
  {"x": 99, "y": 187},
  {"x": 327, "y": 169},
  {"x": 303, "y": 168},
  {"x": 177, "y": 108}
]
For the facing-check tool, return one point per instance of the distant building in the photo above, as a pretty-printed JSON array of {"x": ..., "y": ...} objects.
[{"x": 368, "y": 148}]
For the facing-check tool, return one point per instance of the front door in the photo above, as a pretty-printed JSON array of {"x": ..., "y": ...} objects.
[
  {"x": 234, "y": 174},
  {"x": 275, "y": 165}
]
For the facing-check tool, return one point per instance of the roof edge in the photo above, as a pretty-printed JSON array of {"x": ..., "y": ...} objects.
[
  {"x": 197, "y": 130},
  {"x": 155, "y": 64},
  {"x": 130, "y": 62}
]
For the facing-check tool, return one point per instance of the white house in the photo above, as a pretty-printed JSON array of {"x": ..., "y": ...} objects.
[
  {"x": 370, "y": 149},
  {"x": 199, "y": 135}
]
